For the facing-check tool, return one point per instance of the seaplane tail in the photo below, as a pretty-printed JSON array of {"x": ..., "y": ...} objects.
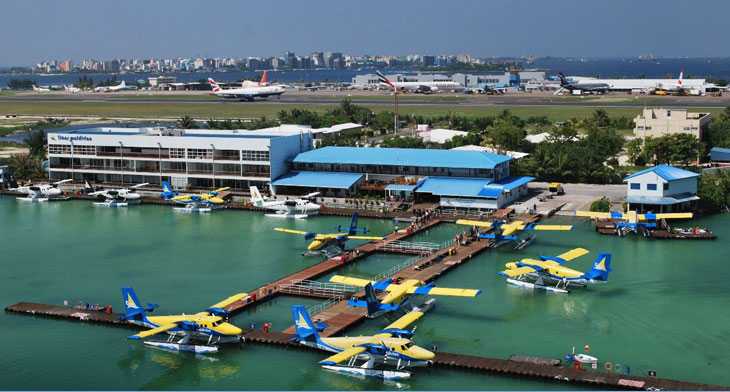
[
  {"x": 133, "y": 310},
  {"x": 256, "y": 197},
  {"x": 306, "y": 332},
  {"x": 601, "y": 268},
  {"x": 167, "y": 191}
]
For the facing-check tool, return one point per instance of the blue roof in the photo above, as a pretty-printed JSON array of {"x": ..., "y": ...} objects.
[
  {"x": 511, "y": 183},
  {"x": 667, "y": 200},
  {"x": 401, "y": 187},
  {"x": 319, "y": 180},
  {"x": 453, "y": 159},
  {"x": 455, "y": 186},
  {"x": 667, "y": 172},
  {"x": 720, "y": 154}
]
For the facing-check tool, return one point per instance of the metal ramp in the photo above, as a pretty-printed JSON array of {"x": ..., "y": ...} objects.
[
  {"x": 407, "y": 247},
  {"x": 313, "y": 288}
]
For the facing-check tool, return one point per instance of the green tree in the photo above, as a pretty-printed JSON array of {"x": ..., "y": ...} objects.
[
  {"x": 714, "y": 190},
  {"x": 25, "y": 166},
  {"x": 36, "y": 143},
  {"x": 505, "y": 134},
  {"x": 403, "y": 142},
  {"x": 601, "y": 205},
  {"x": 600, "y": 118},
  {"x": 186, "y": 122}
]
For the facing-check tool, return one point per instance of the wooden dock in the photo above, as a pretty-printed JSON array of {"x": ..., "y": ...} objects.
[{"x": 596, "y": 379}]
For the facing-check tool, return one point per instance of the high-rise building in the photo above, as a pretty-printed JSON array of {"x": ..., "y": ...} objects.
[{"x": 318, "y": 59}]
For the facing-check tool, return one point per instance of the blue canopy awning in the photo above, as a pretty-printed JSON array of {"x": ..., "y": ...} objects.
[{"x": 319, "y": 180}]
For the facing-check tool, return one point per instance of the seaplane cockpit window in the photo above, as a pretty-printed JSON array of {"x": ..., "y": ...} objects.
[{"x": 407, "y": 345}]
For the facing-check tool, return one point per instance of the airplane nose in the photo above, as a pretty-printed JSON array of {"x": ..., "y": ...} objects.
[
  {"x": 422, "y": 354},
  {"x": 232, "y": 330}
]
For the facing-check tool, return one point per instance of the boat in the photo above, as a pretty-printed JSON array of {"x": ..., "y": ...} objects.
[{"x": 193, "y": 348}]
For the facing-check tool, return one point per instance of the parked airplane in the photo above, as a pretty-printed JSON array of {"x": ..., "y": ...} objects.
[
  {"x": 333, "y": 243},
  {"x": 392, "y": 346},
  {"x": 246, "y": 93},
  {"x": 41, "y": 89},
  {"x": 398, "y": 293},
  {"x": 548, "y": 272},
  {"x": 299, "y": 208},
  {"x": 42, "y": 192},
  {"x": 71, "y": 89},
  {"x": 119, "y": 87},
  {"x": 203, "y": 202},
  {"x": 209, "y": 327},
  {"x": 119, "y": 197},
  {"x": 631, "y": 221},
  {"x": 582, "y": 87},
  {"x": 264, "y": 81},
  {"x": 420, "y": 87},
  {"x": 503, "y": 232}
]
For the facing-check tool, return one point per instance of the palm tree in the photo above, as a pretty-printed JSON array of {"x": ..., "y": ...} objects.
[
  {"x": 36, "y": 142},
  {"x": 186, "y": 122},
  {"x": 25, "y": 166}
]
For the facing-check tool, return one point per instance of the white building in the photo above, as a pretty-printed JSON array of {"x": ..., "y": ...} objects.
[
  {"x": 190, "y": 158},
  {"x": 439, "y": 135},
  {"x": 661, "y": 188},
  {"x": 661, "y": 122}
]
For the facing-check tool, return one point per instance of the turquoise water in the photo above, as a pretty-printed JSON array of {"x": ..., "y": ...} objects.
[{"x": 664, "y": 309}]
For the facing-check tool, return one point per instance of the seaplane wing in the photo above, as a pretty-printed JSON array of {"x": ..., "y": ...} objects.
[
  {"x": 290, "y": 231},
  {"x": 219, "y": 190},
  {"x": 573, "y": 254},
  {"x": 595, "y": 215},
  {"x": 228, "y": 301},
  {"x": 364, "y": 237},
  {"x": 403, "y": 322},
  {"x": 139, "y": 185},
  {"x": 444, "y": 291},
  {"x": 513, "y": 227},
  {"x": 182, "y": 198},
  {"x": 553, "y": 227},
  {"x": 674, "y": 215},
  {"x": 343, "y": 355},
  {"x": 154, "y": 331},
  {"x": 357, "y": 282},
  {"x": 516, "y": 272},
  {"x": 467, "y": 222}
]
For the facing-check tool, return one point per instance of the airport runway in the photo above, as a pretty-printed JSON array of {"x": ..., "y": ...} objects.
[{"x": 458, "y": 100}]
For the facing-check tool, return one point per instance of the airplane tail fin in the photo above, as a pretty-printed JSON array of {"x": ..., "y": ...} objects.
[
  {"x": 133, "y": 309},
  {"x": 264, "y": 78},
  {"x": 167, "y": 191},
  {"x": 214, "y": 84},
  {"x": 373, "y": 305},
  {"x": 680, "y": 81},
  {"x": 601, "y": 268},
  {"x": 563, "y": 81},
  {"x": 305, "y": 328},
  {"x": 256, "y": 197}
]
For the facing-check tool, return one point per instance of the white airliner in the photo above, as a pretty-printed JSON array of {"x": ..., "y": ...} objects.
[
  {"x": 40, "y": 193},
  {"x": 249, "y": 90},
  {"x": 71, "y": 89},
  {"x": 420, "y": 87},
  {"x": 298, "y": 209},
  {"x": 110, "y": 89},
  {"x": 41, "y": 89}
]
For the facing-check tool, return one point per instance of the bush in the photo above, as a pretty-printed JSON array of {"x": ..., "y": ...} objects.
[{"x": 601, "y": 205}]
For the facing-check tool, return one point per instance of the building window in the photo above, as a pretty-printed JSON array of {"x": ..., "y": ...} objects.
[
  {"x": 59, "y": 149},
  {"x": 84, "y": 150},
  {"x": 196, "y": 153},
  {"x": 248, "y": 155},
  {"x": 650, "y": 187},
  {"x": 666, "y": 186},
  {"x": 177, "y": 153},
  {"x": 635, "y": 186}
]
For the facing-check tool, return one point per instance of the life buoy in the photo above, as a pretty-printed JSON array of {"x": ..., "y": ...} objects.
[{"x": 608, "y": 366}]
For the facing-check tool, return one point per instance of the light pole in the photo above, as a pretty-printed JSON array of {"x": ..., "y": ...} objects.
[
  {"x": 213, "y": 164},
  {"x": 72, "y": 159},
  {"x": 121, "y": 160},
  {"x": 159, "y": 160}
]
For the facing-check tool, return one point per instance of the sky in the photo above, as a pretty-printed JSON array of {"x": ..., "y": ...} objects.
[{"x": 36, "y": 30}]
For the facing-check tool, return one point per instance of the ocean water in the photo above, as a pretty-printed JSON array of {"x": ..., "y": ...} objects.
[{"x": 664, "y": 308}]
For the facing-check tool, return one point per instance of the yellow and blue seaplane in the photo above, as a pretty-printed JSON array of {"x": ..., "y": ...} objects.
[
  {"x": 398, "y": 293},
  {"x": 185, "y": 332},
  {"x": 548, "y": 272},
  {"x": 333, "y": 243},
  {"x": 503, "y": 232},
  {"x": 203, "y": 202},
  {"x": 633, "y": 222},
  {"x": 391, "y": 347}
]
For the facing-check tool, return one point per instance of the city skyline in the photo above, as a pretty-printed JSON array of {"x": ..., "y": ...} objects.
[{"x": 567, "y": 28}]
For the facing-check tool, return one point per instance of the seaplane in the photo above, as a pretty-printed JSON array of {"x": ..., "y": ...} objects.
[
  {"x": 549, "y": 273},
  {"x": 121, "y": 197},
  {"x": 398, "y": 293},
  {"x": 391, "y": 347},
  {"x": 503, "y": 232},
  {"x": 42, "y": 192},
  {"x": 299, "y": 208},
  {"x": 199, "y": 333},
  {"x": 203, "y": 202},
  {"x": 633, "y": 222},
  {"x": 167, "y": 191},
  {"x": 331, "y": 244}
]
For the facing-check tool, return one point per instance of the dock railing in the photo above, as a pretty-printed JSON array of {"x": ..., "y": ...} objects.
[{"x": 313, "y": 288}]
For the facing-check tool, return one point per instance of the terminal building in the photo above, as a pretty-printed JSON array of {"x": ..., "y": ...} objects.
[
  {"x": 284, "y": 160},
  {"x": 452, "y": 178},
  {"x": 188, "y": 158}
]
